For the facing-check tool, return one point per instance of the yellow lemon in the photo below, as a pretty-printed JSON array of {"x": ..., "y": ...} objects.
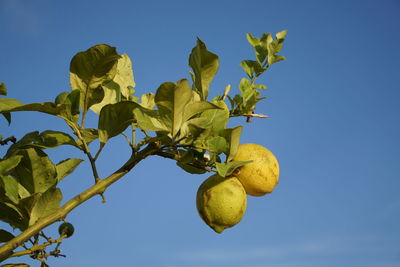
[
  {"x": 262, "y": 175},
  {"x": 221, "y": 202}
]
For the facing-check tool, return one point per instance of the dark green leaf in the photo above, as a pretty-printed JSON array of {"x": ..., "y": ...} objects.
[
  {"x": 226, "y": 169},
  {"x": 205, "y": 66},
  {"x": 7, "y": 115},
  {"x": 190, "y": 168},
  {"x": 90, "y": 69},
  {"x": 3, "y": 89},
  {"x": 66, "y": 167},
  {"x": 72, "y": 100},
  {"x": 48, "y": 202},
  {"x": 171, "y": 99},
  {"x": 35, "y": 172},
  {"x": 89, "y": 135},
  {"x": 5, "y": 236},
  {"x": 115, "y": 118},
  {"x": 10, "y": 214}
]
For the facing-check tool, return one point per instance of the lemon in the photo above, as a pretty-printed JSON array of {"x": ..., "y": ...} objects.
[
  {"x": 221, "y": 202},
  {"x": 262, "y": 175}
]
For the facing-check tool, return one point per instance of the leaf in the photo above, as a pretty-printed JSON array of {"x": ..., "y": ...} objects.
[
  {"x": 5, "y": 236},
  {"x": 7, "y": 164},
  {"x": 3, "y": 89},
  {"x": 35, "y": 172},
  {"x": 232, "y": 136},
  {"x": 217, "y": 118},
  {"x": 10, "y": 214},
  {"x": 10, "y": 186},
  {"x": 190, "y": 169},
  {"x": 89, "y": 135},
  {"x": 7, "y": 116},
  {"x": 205, "y": 66},
  {"x": 48, "y": 202},
  {"x": 252, "y": 68},
  {"x": 119, "y": 86},
  {"x": 171, "y": 99},
  {"x": 195, "y": 108},
  {"x": 7, "y": 104},
  {"x": 226, "y": 169},
  {"x": 46, "y": 139},
  {"x": 90, "y": 69},
  {"x": 216, "y": 144},
  {"x": 150, "y": 120},
  {"x": 147, "y": 101},
  {"x": 72, "y": 100},
  {"x": 246, "y": 89},
  {"x": 115, "y": 118},
  {"x": 66, "y": 167}
]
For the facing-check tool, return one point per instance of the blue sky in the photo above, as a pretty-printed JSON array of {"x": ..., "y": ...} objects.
[{"x": 333, "y": 125}]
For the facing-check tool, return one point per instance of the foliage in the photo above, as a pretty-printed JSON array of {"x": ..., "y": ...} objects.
[{"x": 178, "y": 122}]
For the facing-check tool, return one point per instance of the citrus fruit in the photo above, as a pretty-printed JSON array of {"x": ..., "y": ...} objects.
[
  {"x": 260, "y": 176},
  {"x": 221, "y": 202}
]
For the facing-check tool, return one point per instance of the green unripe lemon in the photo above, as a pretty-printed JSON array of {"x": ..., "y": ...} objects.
[
  {"x": 262, "y": 175},
  {"x": 66, "y": 229},
  {"x": 221, "y": 202}
]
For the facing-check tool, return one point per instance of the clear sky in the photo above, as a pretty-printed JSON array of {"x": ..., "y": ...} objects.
[{"x": 334, "y": 127}]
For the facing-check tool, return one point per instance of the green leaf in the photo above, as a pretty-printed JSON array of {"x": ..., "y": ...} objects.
[
  {"x": 195, "y": 108},
  {"x": 35, "y": 172},
  {"x": 147, "y": 101},
  {"x": 10, "y": 186},
  {"x": 5, "y": 236},
  {"x": 3, "y": 89},
  {"x": 150, "y": 120},
  {"x": 119, "y": 86},
  {"x": 89, "y": 135},
  {"x": 171, "y": 99},
  {"x": 217, "y": 118},
  {"x": 232, "y": 136},
  {"x": 10, "y": 214},
  {"x": 216, "y": 144},
  {"x": 48, "y": 203},
  {"x": 46, "y": 139},
  {"x": 7, "y": 104},
  {"x": 252, "y": 68},
  {"x": 205, "y": 66},
  {"x": 115, "y": 118},
  {"x": 190, "y": 168},
  {"x": 7, "y": 164},
  {"x": 72, "y": 100},
  {"x": 90, "y": 69},
  {"x": 226, "y": 169},
  {"x": 246, "y": 89},
  {"x": 66, "y": 167},
  {"x": 7, "y": 116}
]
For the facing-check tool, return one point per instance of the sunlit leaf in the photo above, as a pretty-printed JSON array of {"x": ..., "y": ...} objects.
[
  {"x": 9, "y": 163},
  {"x": 66, "y": 167},
  {"x": 90, "y": 69},
  {"x": 171, "y": 99},
  {"x": 205, "y": 66},
  {"x": 232, "y": 136},
  {"x": 217, "y": 118},
  {"x": 48, "y": 202}
]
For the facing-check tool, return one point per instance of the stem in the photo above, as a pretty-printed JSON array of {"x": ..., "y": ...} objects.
[{"x": 100, "y": 187}]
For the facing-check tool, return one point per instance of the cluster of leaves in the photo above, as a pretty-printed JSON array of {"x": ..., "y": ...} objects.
[{"x": 178, "y": 120}]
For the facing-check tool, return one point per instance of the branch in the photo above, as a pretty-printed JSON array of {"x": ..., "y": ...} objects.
[{"x": 7, "y": 249}]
